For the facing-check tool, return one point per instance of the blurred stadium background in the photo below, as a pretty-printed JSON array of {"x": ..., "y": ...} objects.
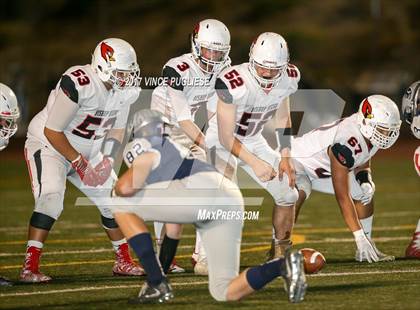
[{"x": 355, "y": 47}]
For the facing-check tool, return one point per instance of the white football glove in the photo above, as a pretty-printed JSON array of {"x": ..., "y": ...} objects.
[{"x": 364, "y": 247}]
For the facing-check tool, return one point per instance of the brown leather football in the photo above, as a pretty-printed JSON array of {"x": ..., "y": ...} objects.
[{"x": 313, "y": 260}]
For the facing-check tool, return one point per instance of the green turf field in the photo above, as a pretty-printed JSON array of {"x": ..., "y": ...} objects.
[{"x": 79, "y": 257}]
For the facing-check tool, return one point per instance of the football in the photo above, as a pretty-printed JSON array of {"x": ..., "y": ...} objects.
[{"x": 314, "y": 261}]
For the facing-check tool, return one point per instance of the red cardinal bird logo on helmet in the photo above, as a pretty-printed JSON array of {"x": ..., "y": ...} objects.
[
  {"x": 367, "y": 109},
  {"x": 107, "y": 52},
  {"x": 196, "y": 30}
]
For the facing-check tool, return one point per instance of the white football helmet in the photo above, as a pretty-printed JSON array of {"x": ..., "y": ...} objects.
[
  {"x": 379, "y": 121},
  {"x": 269, "y": 51},
  {"x": 9, "y": 112},
  {"x": 115, "y": 62},
  {"x": 410, "y": 108},
  {"x": 210, "y": 44}
]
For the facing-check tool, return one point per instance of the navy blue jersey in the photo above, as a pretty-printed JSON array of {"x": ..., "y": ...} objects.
[{"x": 173, "y": 163}]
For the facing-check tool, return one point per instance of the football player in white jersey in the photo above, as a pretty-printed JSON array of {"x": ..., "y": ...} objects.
[
  {"x": 411, "y": 115},
  {"x": 190, "y": 84},
  {"x": 335, "y": 159},
  {"x": 161, "y": 177},
  {"x": 250, "y": 94},
  {"x": 9, "y": 114},
  {"x": 83, "y": 122}
]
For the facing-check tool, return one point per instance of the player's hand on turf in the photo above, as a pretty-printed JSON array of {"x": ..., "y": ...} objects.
[
  {"x": 85, "y": 171},
  {"x": 368, "y": 189},
  {"x": 286, "y": 166},
  {"x": 263, "y": 170},
  {"x": 365, "y": 248},
  {"x": 104, "y": 169}
]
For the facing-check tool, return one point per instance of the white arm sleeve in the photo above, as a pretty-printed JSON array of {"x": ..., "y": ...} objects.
[
  {"x": 62, "y": 112},
  {"x": 179, "y": 104}
]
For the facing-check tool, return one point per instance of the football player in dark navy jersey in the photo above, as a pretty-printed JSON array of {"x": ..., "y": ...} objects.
[{"x": 165, "y": 183}]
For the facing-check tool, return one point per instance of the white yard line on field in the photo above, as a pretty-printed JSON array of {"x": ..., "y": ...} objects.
[
  {"x": 106, "y": 250},
  {"x": 90, "y": 251},
  {"x": 91, "y": 288},
  {"x": 60, "y": 226},
  {"x": 414, "y": 214},
  {"x": 340, "y": 274},
  {"x": 107, "y": 287},
  {"x": 170, "y": 201},
  {"x": 306, "y": 231}
]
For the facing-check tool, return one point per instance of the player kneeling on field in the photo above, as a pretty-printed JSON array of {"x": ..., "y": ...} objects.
[{"x": 161, "y": 180}]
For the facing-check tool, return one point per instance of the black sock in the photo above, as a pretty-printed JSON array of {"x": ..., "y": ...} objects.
[
  {"x": 167, "y": 252},
  {"x": 143, "y": 247},
  {"x": 260, "y": 275}
]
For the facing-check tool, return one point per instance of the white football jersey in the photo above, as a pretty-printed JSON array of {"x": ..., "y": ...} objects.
[
  {"x": 254, "y": 106},
  {"x": 100, "y": 110},
  {"x": 184, "y": 74},
  {"x": 347, "y": 144}
]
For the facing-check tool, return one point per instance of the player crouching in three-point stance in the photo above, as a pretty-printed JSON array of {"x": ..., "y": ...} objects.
[
  {"x": 167, "y": 184},
  {"x": 9, "y": 114},
  {"x": 411, "y": 115},
  {"x": 335, "y": 159},
  {"x": 84, "y": 120}
]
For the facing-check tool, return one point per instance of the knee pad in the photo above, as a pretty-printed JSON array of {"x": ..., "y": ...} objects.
[
  {"x": 282, "y": 194},
  {"x": 41, "y": 221},
  {"x": 105, "y": 212},
  {"x": 356, "y": 195},
  {"x": 50, "y": 204},
  {"x": 288, "y": 197},
  {"x": 108, "y": 223},
  {"x": 356, "y": 191},
  {"x": 304, "y": 184},
  {"x": 219, "y": 290}
]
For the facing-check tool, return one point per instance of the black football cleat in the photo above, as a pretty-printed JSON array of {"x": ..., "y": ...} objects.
[
  {"x": 295, "y": 280},
  {"x": 154, "y": 294}
]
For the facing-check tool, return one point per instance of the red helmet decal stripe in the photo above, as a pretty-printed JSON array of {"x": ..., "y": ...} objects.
[
  {"x": 366, "y": 108},
  {"x": 107, "y": 52},
  {"x": 196, "y": 30}
]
